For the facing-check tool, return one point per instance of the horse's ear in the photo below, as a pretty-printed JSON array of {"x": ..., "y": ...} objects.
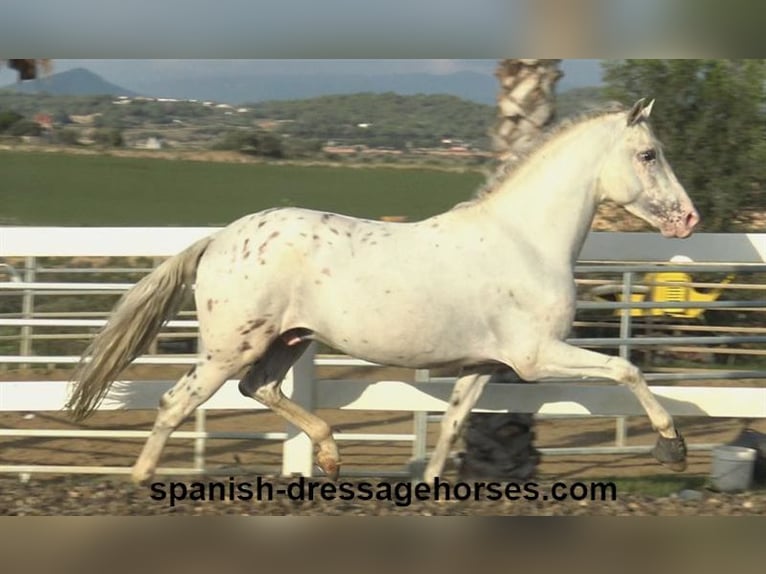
[
  {"x": 647, "y": 110},
  {"x": 639, "y": 111}
]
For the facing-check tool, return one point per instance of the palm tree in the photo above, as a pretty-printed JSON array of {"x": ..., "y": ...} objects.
[{"x": 500, "y": 445}]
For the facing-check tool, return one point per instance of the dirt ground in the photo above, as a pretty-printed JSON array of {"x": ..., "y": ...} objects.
[{"x": 246, "y": 459}]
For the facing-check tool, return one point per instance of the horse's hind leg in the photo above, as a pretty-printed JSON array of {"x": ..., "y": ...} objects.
[
  {"x": 262, "y": 382},
  {"x": 465, "y": 393},
  {"x": 193, "y": 389}
]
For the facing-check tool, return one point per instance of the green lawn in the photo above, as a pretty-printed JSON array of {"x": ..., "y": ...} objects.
[{"x": 73, "y": 190}]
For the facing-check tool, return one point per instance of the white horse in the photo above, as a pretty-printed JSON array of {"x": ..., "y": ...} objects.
[{"x": 488, "y": 282}]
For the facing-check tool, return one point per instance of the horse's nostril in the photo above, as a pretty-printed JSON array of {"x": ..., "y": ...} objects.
[{"x": 692, "y": 218}]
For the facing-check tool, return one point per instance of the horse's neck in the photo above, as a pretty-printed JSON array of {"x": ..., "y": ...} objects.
[{"x": 551, "y": 199}]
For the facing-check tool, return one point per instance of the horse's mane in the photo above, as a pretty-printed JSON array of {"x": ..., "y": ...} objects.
[{"x": 507, "y": 166}]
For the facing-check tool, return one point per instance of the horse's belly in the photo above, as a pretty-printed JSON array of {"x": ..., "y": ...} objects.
[{"x": 412, "y": 330}]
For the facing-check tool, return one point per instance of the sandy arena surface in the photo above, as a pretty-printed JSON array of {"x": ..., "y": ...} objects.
[{"x": 245, "y": 460}]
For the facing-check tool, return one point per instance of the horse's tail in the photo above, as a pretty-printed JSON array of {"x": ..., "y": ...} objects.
[{"x": 135, "y": 321}]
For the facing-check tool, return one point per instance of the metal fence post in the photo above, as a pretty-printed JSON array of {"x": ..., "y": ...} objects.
[
  {"x": 417, "y": 463},
  {"x": 200, "y": 420},
  {"x": 297, "y": 450},
  {"x": 27, "y": 309},
  {"x": 621, "y": 429},
  {"x": 200, "y": 443}
]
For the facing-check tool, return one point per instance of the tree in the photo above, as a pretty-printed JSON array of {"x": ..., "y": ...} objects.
[
  {"x": 30, "y": 69},
  {"x": 252, "y": 142},
  {"x": 711, "y": 118},
  {"x": 25, "y": 127},
  {"x": 108, "y": 137},
  {"x": 500, "y": 445},
  {"x": 8, "y": 118},
  {"x": 526, "y": 104}
]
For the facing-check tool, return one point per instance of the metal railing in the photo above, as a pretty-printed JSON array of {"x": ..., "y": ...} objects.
[{"x": 631, "y": 336}]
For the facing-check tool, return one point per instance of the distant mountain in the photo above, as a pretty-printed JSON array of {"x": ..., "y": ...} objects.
[
  {"x": 479, "y": 87},
  {"x": 472, "y": 86},
  {"x": 75, "y": 82}
]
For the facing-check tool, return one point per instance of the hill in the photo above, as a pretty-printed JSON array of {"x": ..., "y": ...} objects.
[
  {"x": 387, "y": 119},
  {"x": 76, "y": 82}
]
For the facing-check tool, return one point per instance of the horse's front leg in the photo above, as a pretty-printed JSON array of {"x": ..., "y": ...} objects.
[
  {"x": 559, "y": 359},
  {"x": 465, "y": 393}
]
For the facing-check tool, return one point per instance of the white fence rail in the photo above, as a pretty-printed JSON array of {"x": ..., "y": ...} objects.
[{"x": 745, "y": 253}]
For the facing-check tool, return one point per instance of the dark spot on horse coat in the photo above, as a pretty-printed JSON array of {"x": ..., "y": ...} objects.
[
  {"x": 245, "y": 244},
  {"x": 271, "y": 330},
  {"x": 251, "y": 325},
  {"x": 335, "y": 231},
  {"x": 326, "y": 217},
  {"x": 208, "y": 357},
  {"x": 455, "y": 402},
  {"x": 209, "y": 304},
  {"x": 261, "y": 224},
  {"x": 245, "y": 346},
  {"x": 326, "y": 271},
  {"x": 315, "y": 236}
]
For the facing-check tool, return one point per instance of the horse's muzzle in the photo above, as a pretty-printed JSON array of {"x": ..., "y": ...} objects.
[{"x": 684, "y": 226}]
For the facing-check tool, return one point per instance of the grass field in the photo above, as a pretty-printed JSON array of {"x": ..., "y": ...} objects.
[{"x": 100, "y": 190}]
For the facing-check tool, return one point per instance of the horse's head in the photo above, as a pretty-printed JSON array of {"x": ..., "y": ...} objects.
[{"x": 637, "y": 176}]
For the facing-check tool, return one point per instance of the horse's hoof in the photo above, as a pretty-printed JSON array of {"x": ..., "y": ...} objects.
[
  {"x": 671, "y": 452},
  {"x": 329, "y": 465}
]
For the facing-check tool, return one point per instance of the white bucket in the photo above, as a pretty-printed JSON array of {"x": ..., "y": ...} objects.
[{"x": 732, "y": 468}]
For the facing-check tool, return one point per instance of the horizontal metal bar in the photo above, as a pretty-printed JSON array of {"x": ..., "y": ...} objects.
[
  {"x": 659, "y": 268},
  {"x": 182, "y": 471},
  {"x": 85, "y": 270},
  {"x": 645, "y": 341},
  {"x": 638, "y": 449},
  {"x": 650, "y": 377},
  {"x": 760, "y": 304},
  {"x": 74, "y": 469},
  {"x": 51, "y": 286},
  {"x": 111, "y": 434},
  {"x": 71, "y": 359},
  {"x": 79, "y": 323}
]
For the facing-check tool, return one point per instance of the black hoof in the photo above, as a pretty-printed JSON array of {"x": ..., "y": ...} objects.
[{"x": 671, "y": 452}]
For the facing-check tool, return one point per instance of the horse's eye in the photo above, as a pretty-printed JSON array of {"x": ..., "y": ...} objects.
[{"x": 648, "y": 155}]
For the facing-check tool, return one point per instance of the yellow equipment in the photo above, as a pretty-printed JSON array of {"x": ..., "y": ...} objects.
[{"x": 672, "y": 287}]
